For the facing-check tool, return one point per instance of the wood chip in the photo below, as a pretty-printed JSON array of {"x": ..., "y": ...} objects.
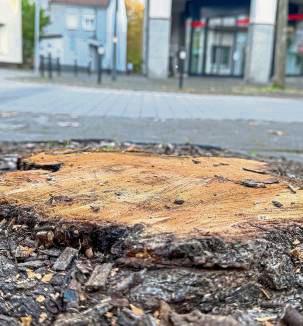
[
  {"x": 291, "y": 317},
  {"x": 32, "y": 264},
  {"x": 277, "y": 204},
  {"x": 65, "y": 259},
  {"x": 255, "y": 171},
  {"x": 252, "y": 184},
  {"x": 99, "y": 276},
  {"x": 292, "y": 189},
  {"x": 89, "y": 253},
  {"x": 23, "y": 252},
  {"x": 45, "y": 238}
]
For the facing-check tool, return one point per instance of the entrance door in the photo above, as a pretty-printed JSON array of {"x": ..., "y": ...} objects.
[
  {"x": 219, "y": 53},
  {"x": 218, "y": 47}
]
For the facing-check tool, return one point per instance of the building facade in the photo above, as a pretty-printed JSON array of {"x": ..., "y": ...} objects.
[
  {"x": 10, "y": 32},
  {"x": 221, "y": 38},
  {"x": 78, "y": 28}
]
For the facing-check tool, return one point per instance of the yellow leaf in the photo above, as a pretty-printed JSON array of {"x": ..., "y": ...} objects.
[
  {"x": 26, "y": 321},
  {"x": 40, "y": 298},
  {"x": 137, "y": 311},
  {"x": 47, "y": 278},
  {"x": 32, "y": 275},
  {"x": 43, "y": 317}
]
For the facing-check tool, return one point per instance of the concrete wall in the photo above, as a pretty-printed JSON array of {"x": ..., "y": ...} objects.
[
  {"x": 10, "y": 31},
  {"x": 261, "y": 41}
]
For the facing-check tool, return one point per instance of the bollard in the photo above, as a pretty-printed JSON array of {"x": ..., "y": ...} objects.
[
  {"x": 58, "y": 66},
  {"x": 101, "y": 52},
  {"x": 89, "y": 68},
  {"x": 182, "y": 57},
  {"x": 100, "y": 68},
  {"x": 42, "y": 67},
  {"x": 50, "y": 66},
  {"x": 76, "y": 67}
]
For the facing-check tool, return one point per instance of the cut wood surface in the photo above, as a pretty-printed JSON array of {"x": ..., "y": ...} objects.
[{"x": 182, "y": 195}]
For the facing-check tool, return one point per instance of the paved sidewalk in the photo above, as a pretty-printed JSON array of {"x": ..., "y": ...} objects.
[
  {"x": 34, "y": 111},
  {"x": 192, "y": 85}
]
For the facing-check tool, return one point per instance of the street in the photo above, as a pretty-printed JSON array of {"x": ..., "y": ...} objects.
[{"x": 31, "y": 111}]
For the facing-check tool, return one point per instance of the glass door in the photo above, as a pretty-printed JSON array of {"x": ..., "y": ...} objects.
[
  {"x": 218, "y": 47},
  {"x": 197, "y": 48}
]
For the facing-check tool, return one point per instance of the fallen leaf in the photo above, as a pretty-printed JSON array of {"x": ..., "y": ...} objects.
[
  {"x": 137, "y": 311},
  {"x": 40, "y": 298},
  {"x": 47, "y": 278},
  {"x": 42, "y": 317},
  {"x": 26, "y": 321},
  {"x": 266, "y": 318},
  {"x": 32, "y": 275}
]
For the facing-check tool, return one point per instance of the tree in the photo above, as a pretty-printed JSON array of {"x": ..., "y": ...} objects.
[
  {"x": 281, "y": 44},
  {"x": 28, "y": 28},
  {"x": 135, "y": 15}
]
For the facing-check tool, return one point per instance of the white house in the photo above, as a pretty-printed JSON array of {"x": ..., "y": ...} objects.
[{"x": 10, "y": 32}]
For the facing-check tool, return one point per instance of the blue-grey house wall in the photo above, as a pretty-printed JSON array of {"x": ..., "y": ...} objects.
[{"x": 76, "y": 43}]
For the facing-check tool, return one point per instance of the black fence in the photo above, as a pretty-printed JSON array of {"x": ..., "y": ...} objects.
[{"x": 50, "y": 66}]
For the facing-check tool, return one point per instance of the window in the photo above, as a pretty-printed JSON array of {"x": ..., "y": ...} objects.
[
  {"x": 72, "y": 20},
  {"x": 89, "y": 22},
  {"x": 221, "y": 55}
]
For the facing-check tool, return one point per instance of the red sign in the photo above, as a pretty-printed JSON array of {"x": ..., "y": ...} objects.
[
  {"x": 243, "y": 22},
  {"x": 296, "y": 17},
  {"x": 198, "y": 24}
]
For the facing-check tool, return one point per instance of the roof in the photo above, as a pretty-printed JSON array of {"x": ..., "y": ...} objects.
[{"x": 99, "y": 3}]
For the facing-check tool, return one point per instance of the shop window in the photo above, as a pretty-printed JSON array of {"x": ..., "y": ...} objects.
[{"x": 221, "y": 55}]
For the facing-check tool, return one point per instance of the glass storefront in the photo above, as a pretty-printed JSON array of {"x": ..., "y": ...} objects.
[
  {"x": 217, "y": 43},
  {"x": 218, "y": 46},
  {"x": 294, "y": 66}
]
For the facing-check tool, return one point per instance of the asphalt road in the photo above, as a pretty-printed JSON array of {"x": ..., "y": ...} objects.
[{"x": 49, "y": 112}]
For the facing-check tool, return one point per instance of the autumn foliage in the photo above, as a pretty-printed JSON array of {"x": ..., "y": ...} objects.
[{"x": 135, "y": 14}]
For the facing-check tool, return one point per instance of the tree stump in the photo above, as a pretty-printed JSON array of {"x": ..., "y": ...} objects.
[{"x": 226, "y": 197}]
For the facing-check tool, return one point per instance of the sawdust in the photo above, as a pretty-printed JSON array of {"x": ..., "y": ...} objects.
[{"x": 165, "y": 193}]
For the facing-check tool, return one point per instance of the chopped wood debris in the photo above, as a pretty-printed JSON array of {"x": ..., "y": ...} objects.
[
  {"x": 99, "y": 277},
  {"x": 253, "y": 184},
  {"x": 291, "y": 317},
  {"x": 65, "y": 259},
  {"x": 277, "y": 204},
  {"x": 159, "y": 275}
]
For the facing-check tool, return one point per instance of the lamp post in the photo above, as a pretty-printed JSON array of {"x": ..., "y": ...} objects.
[
  {"x": 101, "y": 52},
  {"x": 37, "y": 36},
  {"x": 182, "y": 58},
  {"x": 115, "y": 41}
]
